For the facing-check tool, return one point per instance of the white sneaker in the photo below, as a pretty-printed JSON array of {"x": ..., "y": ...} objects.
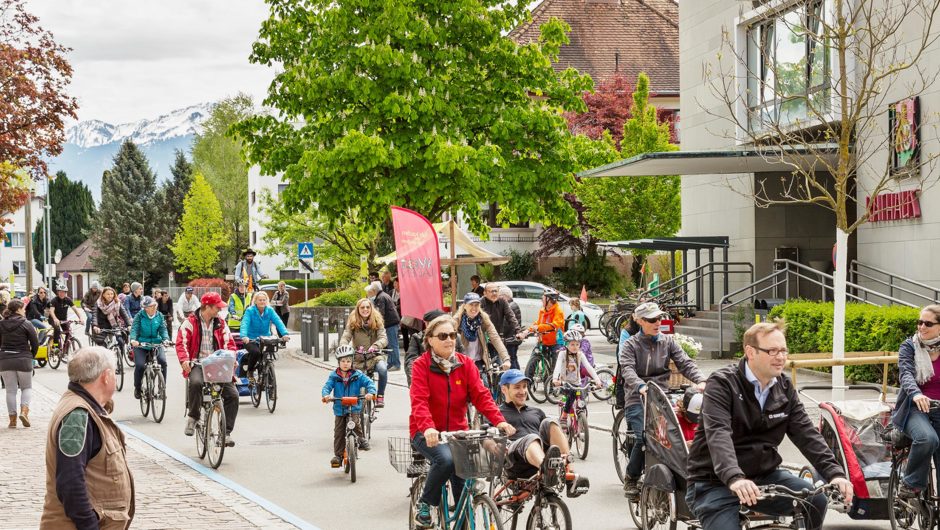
[{"x": 190, "y": 426}]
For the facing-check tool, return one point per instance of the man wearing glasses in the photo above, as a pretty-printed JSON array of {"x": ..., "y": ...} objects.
[
  {"x": 644, "y": 359},
  {"x": 747, "y": 410}
]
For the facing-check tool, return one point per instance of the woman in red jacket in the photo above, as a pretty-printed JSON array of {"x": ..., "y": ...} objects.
[{"x": 442, "y": 382}]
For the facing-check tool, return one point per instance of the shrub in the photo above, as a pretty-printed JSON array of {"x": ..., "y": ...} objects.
[
  {"x": 867, "y": 328},
  {"x": 593, "y": 272},
  {"x": 313, "y": 284},
  {"x": 225, "y": 286},
  {"x": 345, "y": 298},
  {"x": 521, "y": 266},
  {"x": 690, "y": 346}
]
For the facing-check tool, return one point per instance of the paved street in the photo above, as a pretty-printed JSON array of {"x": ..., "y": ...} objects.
[{"x": 284, "y": 458}]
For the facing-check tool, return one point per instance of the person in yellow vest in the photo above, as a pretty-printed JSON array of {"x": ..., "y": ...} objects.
[
  {"x": 237, "y": 304},
  {"x": 88, "y": 482}
]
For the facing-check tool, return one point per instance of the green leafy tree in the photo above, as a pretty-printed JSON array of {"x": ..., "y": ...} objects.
[
  {"x": 218, "y": 156},
  {"x": 201, "y": 233},
  {"x": 71, "y": 210},
  {"x": 425, "y": 105},
  {"x": 125, "y": 231}
]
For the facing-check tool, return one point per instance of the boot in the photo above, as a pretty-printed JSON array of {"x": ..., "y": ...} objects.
[
  {"x": 24, "y": 416},
  {"x": 12, "y": 421}
]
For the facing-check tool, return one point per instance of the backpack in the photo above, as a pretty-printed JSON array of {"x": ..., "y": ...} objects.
[{"x": 577, "y": 317}]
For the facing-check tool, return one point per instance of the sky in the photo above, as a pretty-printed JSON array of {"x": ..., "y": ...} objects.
[{"x": 137, "y": 59}]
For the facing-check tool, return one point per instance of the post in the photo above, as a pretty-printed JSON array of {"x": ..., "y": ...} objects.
[
  {"x": 306, "y": 291},
  {"x": 326, "y": 338},
  {"x": 47, "y": 231},
  {"x": 453, "y": 269}
]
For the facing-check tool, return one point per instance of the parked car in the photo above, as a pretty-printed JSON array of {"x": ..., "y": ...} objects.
[
  {"x": 529, "y": 297},
  {"x": 273, "y": 287}
]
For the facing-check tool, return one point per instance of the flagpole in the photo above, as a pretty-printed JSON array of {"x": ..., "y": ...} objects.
[{"x": 453, "y": 269}]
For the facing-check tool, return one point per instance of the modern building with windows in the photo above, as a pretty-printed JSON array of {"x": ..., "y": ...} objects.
[{"x": 13, "y": 248}]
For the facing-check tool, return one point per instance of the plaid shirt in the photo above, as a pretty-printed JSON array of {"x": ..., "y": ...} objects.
[{"x": 206, "y": 345}]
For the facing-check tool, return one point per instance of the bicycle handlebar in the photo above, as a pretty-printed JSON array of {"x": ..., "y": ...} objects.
[
  {"x": 491, "y": 432},
  {"x": 777, "y": 490},
  {"x": 152, "y": 345}
]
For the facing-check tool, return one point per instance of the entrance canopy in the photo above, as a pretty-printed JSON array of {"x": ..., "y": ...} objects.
[
  {"x": 715, "y": 162},
  {"x": 466, "y": 252},
  {"x": 671, "y": 243}
]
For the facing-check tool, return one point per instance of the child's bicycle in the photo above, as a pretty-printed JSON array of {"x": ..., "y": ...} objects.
[
  {"x": 478, "y": 455},
  {"x": 351, "y": 453},
  {"x": 576, "y": 424}
]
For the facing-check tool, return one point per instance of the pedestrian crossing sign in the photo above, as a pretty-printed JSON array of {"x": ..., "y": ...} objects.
[{"x": 305, "y": 250}]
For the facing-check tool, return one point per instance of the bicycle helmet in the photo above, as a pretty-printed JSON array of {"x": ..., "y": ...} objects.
[
  {"x": 239, "y": 282},
  {"x": 344, "y": 351},
  {"x": 573, "y": 336},
  {"x": 692, "y": 404},
  {"x": 551, "y": 294},
  {"x": 577, "y": 327}
]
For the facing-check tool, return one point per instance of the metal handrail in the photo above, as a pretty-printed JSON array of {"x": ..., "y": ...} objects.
[
  {"x": 795, "y": 268},
  {"x": 667, "y": 287},
  {"x": 854, "y": 266}
]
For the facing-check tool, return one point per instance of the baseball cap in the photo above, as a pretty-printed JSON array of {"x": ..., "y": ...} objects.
[
  {"x": 513, "y": 376},
  {"x": 212, "y": 298},
  {"x": 648, "y": 310},
  {"x": 189, "y": 289},
  {"x": 148, "y": 301},
  {"x": 432, "y": 314},
  {"x": 471, "y": 298}
]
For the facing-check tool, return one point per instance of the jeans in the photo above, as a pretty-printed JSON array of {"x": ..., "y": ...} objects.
[
  {"x": 634, "y": 416},
  {"x": 513, "y": 350},
  {"x": 87, "y": 323},
  {"x": 229, "y": 398},
  {"x": 442, "y": 468},
  {"x": 717, "y": 508},
  {"x": 923, "y": 430},
  {"x": 381, "y": 368},
  {"x": 140, "y": 362},
  {"x": 394, "y": 357},
  {"x": 339, "y": 432}
]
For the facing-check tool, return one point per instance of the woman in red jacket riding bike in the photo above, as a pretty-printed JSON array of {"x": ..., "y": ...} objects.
[{"x": 442, "y": 382}]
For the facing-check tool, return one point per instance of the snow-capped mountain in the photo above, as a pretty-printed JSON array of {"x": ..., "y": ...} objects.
[
  {"x": 91, "y": 145},
  {"x": 181, "y": 122}
]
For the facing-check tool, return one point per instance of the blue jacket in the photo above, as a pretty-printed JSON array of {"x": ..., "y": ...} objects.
[
  {"x": 132, "y": 304},
  {"x": 146, "y": 329},
  {"x": 255, "y": 324},
  {"x": 351, "y": 387},
  {"x": 909, "y": 387}
]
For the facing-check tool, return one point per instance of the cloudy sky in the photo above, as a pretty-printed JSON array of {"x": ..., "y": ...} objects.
[{"x": 136, "y": 59}]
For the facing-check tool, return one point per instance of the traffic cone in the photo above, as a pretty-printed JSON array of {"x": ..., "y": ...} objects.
[{"x": 583, "y": 293}]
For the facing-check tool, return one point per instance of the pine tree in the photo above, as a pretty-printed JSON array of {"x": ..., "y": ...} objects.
[
  {"x": 71, "y": 210},
  {"x": 127, "y": 227},
  {"x": 201, "y": 231},
  {"x": 170, "y": 197}
]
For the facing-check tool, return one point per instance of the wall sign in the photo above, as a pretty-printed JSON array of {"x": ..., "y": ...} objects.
[
  {"x": 904, "y": 127},
  {"x": 894, "y": 206}
]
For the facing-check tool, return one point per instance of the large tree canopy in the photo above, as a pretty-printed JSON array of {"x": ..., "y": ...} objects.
[
  {"x": 424, "y": 104},
  {"x": 71, "y": 210}
]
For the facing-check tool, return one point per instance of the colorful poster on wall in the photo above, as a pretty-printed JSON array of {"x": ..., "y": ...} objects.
[{"x": 904, "y": 127}]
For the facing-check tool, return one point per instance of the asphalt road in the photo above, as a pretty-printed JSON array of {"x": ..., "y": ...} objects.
[{"x": 284, "y": 457}]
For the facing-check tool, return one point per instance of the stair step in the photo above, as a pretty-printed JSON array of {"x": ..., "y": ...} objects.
[{"x": 700, "y": 331}]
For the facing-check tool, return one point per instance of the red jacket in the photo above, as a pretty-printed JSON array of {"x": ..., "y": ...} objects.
[
  {"x": 190, "y": 335},
  {"x": 439, "y": 400}
]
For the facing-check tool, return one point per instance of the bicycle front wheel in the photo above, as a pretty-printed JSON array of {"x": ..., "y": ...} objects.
[
  {"x": 623, "y": 445},
  {"x": 145, "y": 392},
  {"x": 215, "y": 434},
  {"x": 54, "y": 357},
  {"x": 549, "y": 512},
  {"x": 417, "y": 488},
  {"x": 485, "y": 514},
  {"x": 201, "y": 441},
  {"x": 270, "y": 389},
  {"x": 367, "y": 420},
  {"x": 606, "y": 375},
  {"x": 351, "y": 454},
  {"x": 158, "y": 396},
  {"x": 254, "y": 390},
  {"x": 537, "y": 371},
  {"x": 582, "y": 438},
  {"x": 119, "y": 371},
  {"x": 903, "y": 513}
]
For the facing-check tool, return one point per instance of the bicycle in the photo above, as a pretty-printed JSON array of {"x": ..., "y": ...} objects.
[
  {"x": 923, "y": 509},
  {"x": 771, "y": 491},
  {"x": 266, "y": 382},
  {"x": 491, "y": 378},
  {"x": 59, "y": 352},
  {"x": 350, "y": 454},
  {"x": 369, "y": 411},
  {"x": 548, "y": 509},
  {"x": 210, "y": 427},
  {"x": 111, "y": 343},
  {"x": 576, "y": 426},
  {"x": 153, "y": 385},
  {"x": 478, "y": 455},
  {"x": 539, "y": 369}
]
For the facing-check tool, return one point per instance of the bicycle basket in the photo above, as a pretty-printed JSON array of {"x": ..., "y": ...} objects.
[
  {"x": 404, "y": 458},
  {"x": 219, "y": 367},
  {"x": 480, "y": 458}
]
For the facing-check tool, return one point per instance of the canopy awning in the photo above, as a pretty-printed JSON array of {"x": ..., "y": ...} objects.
[
  {"x": 723, "y": 162},
  {"x": 671, "y": 243},
  {"x": 467, "y": 252}
]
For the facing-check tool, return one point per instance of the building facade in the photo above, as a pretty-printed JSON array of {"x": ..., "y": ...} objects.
[{"x": 13, "y": 248}]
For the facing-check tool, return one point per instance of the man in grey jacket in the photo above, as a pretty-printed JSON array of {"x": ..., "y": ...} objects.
[
  {"x": 505, "y": 321},
  {"x": 644, "y": 359}
]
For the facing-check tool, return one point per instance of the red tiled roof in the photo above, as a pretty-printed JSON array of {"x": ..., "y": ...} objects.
[
  {"x": 79, "y": 260},
  {"x": 614, "y": 36}
]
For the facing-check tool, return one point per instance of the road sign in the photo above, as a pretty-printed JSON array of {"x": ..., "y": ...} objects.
[
  {"x": 306, "y": 265},
  {"x": 58, "y": 256},
  {"x": 305, "y": 250},
  {"x": 171, "y": 276}
]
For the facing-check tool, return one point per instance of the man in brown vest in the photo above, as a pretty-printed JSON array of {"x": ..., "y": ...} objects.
[{"x": 88, "y": 483}]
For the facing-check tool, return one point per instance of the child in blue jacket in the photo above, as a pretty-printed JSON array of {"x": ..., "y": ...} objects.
[{"x": 346, "y": 382}]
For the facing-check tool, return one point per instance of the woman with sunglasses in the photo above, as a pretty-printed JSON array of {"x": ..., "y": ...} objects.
[
  {"x": 919, "y": 367},
  {"x": 644, "y": 359},
  {"x": 442, "y": 383}
]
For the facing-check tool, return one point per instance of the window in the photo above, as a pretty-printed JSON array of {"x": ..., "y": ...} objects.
[
  {"x": 17, "y": 239},
  {"x": 254, "y": 238},
  {"x": 281, "y": 188},
  {"x": 19, "y": 268},
  {"x": 252, "y": 198},
  {"x": 788, "y": 66}
]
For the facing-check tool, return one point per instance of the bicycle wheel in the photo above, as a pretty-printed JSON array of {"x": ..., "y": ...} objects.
[
  {"x": 623, "y": 444},
  {"x": 270, "y": 388},
  {"x": 158, "y": 396},
  {"x": 549, "y": 512},
  {"x": 54, "y": 357},
  {"x": 146, "y": 391},
  {"x": 541, "y": 375},
  {"x": 552, "y": 393},
  {"x": 129, "y": 356},
  {"x": 254, "y": 391},
  {"x": 215, "y": 434},
  {"x": 606, "y": 392},
  {"x": 903, "y": 513},
  {"x": 535, "y": 387},
  {"x": 367, "y": 420},
  {"x": 119, "y": 371},
  {"x": 351, "y": 454},
  {"x": 582, "y": 439},
  {"x": 201, "y": 442},
  {"x": 655, "y": 510},
  {"x": 414, "y": 495},
  {"x": 485, "y": 514},
  {"x": 606, "y": 316}
]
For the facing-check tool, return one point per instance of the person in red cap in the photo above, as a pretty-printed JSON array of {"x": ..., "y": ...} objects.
[{"x": 202, "y": 333}]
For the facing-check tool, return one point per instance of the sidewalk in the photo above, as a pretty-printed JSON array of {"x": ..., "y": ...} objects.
[{"x": 169, "y": 494}]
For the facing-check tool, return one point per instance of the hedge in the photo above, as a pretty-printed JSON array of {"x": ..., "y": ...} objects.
[
  {"x": 225, "y": 286},
  {"x": 313, "y": 284},
  {"x": 345, "y": 298},
  {"x": 867, "y": 328}
]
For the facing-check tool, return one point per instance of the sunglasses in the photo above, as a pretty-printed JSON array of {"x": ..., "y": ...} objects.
[
  {"x": 926, "y": 323},
  {"x": 653, "y": 320},
  {"x": 444, "y": 336}
]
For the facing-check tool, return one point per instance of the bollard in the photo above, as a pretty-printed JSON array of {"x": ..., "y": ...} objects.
[
  {"x": 326, "y": 339},
  {"x": 314, "y": 327}
]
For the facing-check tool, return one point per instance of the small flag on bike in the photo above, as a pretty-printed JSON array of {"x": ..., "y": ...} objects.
[{"x": 583, "y": 293}]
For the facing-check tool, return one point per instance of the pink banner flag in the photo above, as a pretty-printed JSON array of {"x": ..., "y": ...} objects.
[{"x": 419, "y": 263}]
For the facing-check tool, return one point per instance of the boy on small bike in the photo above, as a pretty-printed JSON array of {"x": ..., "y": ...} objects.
[
  {"x": 346, "y": 381},
  {"x": 568, "y": 368}
]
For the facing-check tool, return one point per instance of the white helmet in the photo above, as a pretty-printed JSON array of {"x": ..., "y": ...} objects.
[
  {"x": 576, "y": 327},
  {"x": 573, "y": 336},
  {"x": 344, "y": 351}
]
